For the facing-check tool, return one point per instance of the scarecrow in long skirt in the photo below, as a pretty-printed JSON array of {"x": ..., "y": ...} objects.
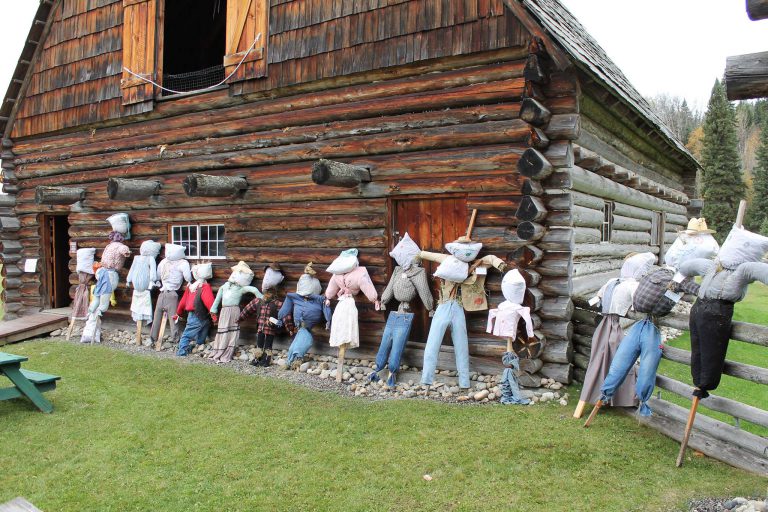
[
  {"x": 615, "y": 299},
  {"x": 228, "y": 297}
]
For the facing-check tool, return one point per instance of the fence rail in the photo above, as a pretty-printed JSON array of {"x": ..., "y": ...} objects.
[{"x": 717, "y": 439}]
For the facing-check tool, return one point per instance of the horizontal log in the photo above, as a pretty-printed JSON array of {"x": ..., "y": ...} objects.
[
  {"x": 557, "y": 330},
  {"x": 629, "y": 224},
  {"x": 203, "y": 185},
  {"x": 583, "y": 268},
  {"x": 58, "y": 195},
  {"x": 561, "y": 199},
  {"x": 560, "y": 153},
  {"x": 530, "y": 231},
  {"x": 531, "y": 366},
  {"x": 630, "y": 237},
  {"x": 564, "y": 127},
  {"x": 580, "y": 361},
  {"x": 586, "y": 286},
  {"x": 534, "y": 299},
  {"x": 746, "y": 76},
  {"x": 610, "y": 250},
  {"x": 526, "y": 256},
  {"x": 534, "y": 165},
  {"x": 578, "y": 216},
  {"x": 531, "y": 209},
  {"x": 754, "y": 334},
  {"x": 632, "y": 211},
  {"x": 555, "y": 267},
  {"x": 556, "y": 286},
  {"x": 534, "y": 112},
  {"x": 558, "y": 351},
  {"x": 757, "y": 9},
  {"x": 532, "y": 188},
  {"x": 562, "y": 373},
  {"x": 558, "y": 239},
  {"x": 739, "y": 370},
  {"x": 558, "y": 308},
  {"x": 716, "y": 403},
  {"x": 131, "y": 190},
  {"x": 679, "y": 220},
  {"x": 339, "y": 174}
]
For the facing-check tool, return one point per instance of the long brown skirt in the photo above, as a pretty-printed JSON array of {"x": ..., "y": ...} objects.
[
  {"x": 227, "y": 334},
  {"x": 605, "y": 342}
]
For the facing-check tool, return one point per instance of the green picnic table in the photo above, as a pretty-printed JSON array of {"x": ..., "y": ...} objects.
[{"x": 25, "y": 382}]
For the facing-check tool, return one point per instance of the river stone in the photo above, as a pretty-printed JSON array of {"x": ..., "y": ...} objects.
[{"x": 481, "y": 394}]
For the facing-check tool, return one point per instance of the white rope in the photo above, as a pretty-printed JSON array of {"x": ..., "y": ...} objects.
[{"x": 253, "y": 45}]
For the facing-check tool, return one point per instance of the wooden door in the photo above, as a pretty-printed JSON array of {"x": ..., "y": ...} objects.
[
  {"x": 431, "y": 223},
  {"x": 55, "y": 265}
]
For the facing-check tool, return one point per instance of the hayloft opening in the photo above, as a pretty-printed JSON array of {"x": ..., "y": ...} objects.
[{"x": 194, "y": 36}]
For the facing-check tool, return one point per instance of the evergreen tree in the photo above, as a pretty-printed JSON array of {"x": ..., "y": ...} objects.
[
  {"x": 757, "y": 215},
  {"x": 722, "y": 183}
]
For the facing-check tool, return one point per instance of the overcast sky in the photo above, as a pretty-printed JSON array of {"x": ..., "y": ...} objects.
[{"x": 676, "y": 47}]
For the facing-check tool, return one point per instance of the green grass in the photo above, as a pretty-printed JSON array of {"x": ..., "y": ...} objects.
[
  {"x": 137, "y": 433},
  {"x": 754, "y": 309}
]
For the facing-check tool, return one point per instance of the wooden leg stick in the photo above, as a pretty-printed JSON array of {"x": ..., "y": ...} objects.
[
  {"x": 579, "y": 409},
  {"x": 687, "y": 433},
  {"x": 340, "y": 362},
  {"x": 159, "y": 340},
  {"x": 592, "y": 415},
  {"x": 139, "y": 324},
  {"x": 71, "y": 328},
  {"x": 509, "y": 344}
]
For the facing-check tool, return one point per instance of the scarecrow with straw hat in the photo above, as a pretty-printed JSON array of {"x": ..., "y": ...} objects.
[{"x": 228, "y": 298}]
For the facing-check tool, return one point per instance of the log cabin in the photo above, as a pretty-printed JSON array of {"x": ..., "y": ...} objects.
[{"x": 289, "y": 130}]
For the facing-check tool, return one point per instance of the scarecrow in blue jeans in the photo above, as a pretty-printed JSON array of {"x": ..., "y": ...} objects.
[{"x": 408, "y": 280}]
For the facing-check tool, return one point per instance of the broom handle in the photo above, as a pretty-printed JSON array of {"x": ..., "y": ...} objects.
[
  {"x": 471, "y": 223},
  {"x": 740, "y": 214}
]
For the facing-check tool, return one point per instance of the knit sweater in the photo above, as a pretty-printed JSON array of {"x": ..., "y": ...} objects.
[{"x": 404, "y": 285}]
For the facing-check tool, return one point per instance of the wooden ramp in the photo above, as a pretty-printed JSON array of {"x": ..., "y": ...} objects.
[
  {"x": 18, "y": 505},
  {"x": 31, "y": 326}
]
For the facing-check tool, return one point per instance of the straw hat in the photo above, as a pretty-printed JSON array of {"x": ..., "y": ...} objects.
[
  {"x": 242, "y": 267},
  {"x": 697, "y": 227},
  {"x": 463, "y": 240},
  {"x": 309, "y": 270}
]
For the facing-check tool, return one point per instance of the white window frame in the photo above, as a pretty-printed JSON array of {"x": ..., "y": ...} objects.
[
  {"x": 196, "y": 239},
  {"x": 606, "y": 229}
]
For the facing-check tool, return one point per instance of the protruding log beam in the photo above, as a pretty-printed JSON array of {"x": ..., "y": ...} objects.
[
  {"x": 532, "y": 188},
  {"x": 557, "y": 308},
  {"x": 746, "y": 76},
  {"x": 757, "y": 9},
  {"x": 534, "y": 299},
  {"x": 532, "y": 278},
  {"x": 204, "y": 185},
  {"x": 561, "y": 373},
  {"x": 566, "y": 199},
  {"x": 531, "y": 209},
  {"x": 531, "y": 365},
  {"x": 557, "y": 351},
  {"x": 557, "y": 286},
  {"x": 339, "y": 174},
  {"x": 526, "y": 255},
  {"x": 576, "y": 216},
  {"x": 58, "y": 195},
  {"x": 587, "y": 159},
  {"x": 533, "y": 112},
  {"x": 530, "y": 231},
  {"x": 564, "y": 127},
  {"x": 534, "y": 72},
  {"x": 533, "y": 164},
  {"x": 131, "y": 190},
  {"x": 558, "y": 239},
  {"x": 555, "y": 267}
]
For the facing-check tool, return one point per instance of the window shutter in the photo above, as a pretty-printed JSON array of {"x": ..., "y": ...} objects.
[
  {"x": 139, "y": 22},
  {"x": 247, "y": 20}
]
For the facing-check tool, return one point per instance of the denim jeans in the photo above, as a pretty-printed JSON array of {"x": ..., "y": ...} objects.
[
  {"x": 300, "y": 345},
  {"x": 195, "y": 330},
  {"x": 642, "y": 340},
  {"x": 393, "y": 343},
  {"x": 448, "y": 314}
]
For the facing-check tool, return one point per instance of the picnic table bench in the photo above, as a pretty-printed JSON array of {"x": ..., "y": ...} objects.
[{"x": 26, "y": 382}]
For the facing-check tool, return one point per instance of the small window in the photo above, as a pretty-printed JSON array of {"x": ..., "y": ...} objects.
[
  {"x": 203, "y": 241},
  {"x": 657, "y": 229},
  {"x": 607, "y": 228}
]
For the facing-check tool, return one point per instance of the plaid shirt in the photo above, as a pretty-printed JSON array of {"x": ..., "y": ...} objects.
[
  {"x": 263, "y": 309},
  {"x": 649, "y": 297}
]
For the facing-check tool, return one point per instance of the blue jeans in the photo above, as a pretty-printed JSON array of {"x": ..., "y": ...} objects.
[
  {"x": 300, "y": 345},
  {"x": 448, "y": 314},
  {"x": 393, "y": 343},
  {"x": 195, "y": 330},
  {"x": 642, "y": 340}
]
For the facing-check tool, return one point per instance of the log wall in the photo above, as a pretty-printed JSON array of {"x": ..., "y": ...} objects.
[{"x": 457, "y": 131}]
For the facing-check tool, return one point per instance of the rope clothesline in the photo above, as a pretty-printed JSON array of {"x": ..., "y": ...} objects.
[{"x": 250, "y": 49}]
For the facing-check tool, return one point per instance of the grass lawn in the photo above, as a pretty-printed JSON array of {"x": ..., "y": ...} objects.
[
  {"x": 754, "y": 309},
  {"x": 137, "y": 433}
]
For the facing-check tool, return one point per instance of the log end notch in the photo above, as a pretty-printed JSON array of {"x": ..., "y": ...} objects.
[{"x": 339, "y": 174}]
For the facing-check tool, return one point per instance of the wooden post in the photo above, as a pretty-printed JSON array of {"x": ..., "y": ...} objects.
[
  {"x": 131, "y": 190},
  {"x": 471, "y": 223},
  {"x": 58, "y": 195},
  {"x": 687, "y": 433},
  {"x": 203, "y": 185},
  {"x": 593, "y": 413},
  {"x": 741, "y": 212},
  {"x": 579, "y": 409},
  {"x": 161, "y": 333},
  {"x": 138, "y": 332},
  {"x": 340, "y": 362},
  {"x": 71, "y": 328},
  {"x": 339, "y": 174}
]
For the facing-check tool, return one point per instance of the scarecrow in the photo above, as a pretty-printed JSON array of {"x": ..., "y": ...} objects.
[
  {"x": 173, "y": 271},
  {"x": 348, "y": 279},
  {"x": 462, "y": 288},
  {"x": 264, "y": 309},
  {"x": 143, "y": 276},
  {"x": 305, "y": 309},
  {"x": 196, "y": 302},
  {"x": 228, "y": 297},
  {"x": 408, "y": 280}
]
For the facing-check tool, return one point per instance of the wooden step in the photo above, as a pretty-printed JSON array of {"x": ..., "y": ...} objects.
[{"x": 30, "y": 326}]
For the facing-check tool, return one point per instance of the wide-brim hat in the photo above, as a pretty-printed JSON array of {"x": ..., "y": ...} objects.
[
  {"x": 242, "y": 267},
  {"x": 697, "y": 227},
  {"x": 309, "y": 270}
]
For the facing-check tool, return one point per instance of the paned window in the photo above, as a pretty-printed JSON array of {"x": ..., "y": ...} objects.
[
  {"x": 607, "y": 228},
  {"x": 203, "y": 241}
]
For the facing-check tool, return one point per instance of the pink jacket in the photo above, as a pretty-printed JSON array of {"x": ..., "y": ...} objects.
[
  {"x": 351, "y": 283},
  {"x": 503, "y": 321}
]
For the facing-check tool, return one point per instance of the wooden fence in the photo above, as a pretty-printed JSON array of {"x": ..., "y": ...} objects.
[{"x": 729, "y": 443}]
